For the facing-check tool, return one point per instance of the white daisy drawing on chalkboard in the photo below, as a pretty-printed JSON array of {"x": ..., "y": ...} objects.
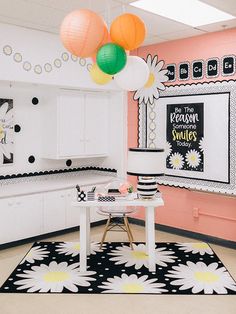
[
  {"x": 193, "y": 158},
  {"x": 202, "y": 277},
  {"x": 150, "y": 91},
  {"x": 168, "y": 148},
  {"x": 202, "y": 144},
  {"x": 6, "y": 130},
  {"x": 176, "y": 161},
  {"x": 132, "y": 284}
]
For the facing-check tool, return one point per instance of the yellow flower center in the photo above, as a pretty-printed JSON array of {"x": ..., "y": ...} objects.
[
  {"x": 56, "y": 276},
  {"x": 206, "y": 277},
  {"x": 150, "y": 80},
  {"x": 139, "y": 255},
  {"x": 1, "y": 132},
  {"x": 200, "y": 246},
  {"x": 132, "y": 288},
  {"x": 77, "y": 246}
]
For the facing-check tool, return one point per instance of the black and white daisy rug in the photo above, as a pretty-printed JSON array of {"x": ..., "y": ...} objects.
[{"x": 181, "y": 268}]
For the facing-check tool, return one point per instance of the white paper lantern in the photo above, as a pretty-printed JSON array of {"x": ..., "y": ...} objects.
[{"x": 134, "y": 75}]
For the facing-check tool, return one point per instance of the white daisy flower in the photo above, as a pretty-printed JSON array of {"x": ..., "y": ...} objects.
[
  {"x": 73, "y": 248},
  {"x": 138, "y": 256},
  {"x": 6, "y": 123},
  {"x": 176, "y": 161},
  {"x": 202, "y": 144},
  {"x": 199, "y": 247},
  {"x": 168, "y": 148},
  {"x": 157, "y": 77},
  {"x": 54, "y": 278},
  {"x": 201, "y": 277},
  {"x": 132, "y": 284},
  {"x": 36, "y": 253},
  {"x": 193, "y": 158}
]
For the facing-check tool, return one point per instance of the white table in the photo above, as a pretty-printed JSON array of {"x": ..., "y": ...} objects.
[{"x": 149, "y": 206}]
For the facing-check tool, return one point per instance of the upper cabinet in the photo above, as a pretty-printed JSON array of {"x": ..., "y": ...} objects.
[{"x": 76, "y": 125}]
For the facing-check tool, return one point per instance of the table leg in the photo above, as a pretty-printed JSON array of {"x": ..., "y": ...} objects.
[
  {"x": 150, "y": 237},
  {"x": 88, "y": 243},
  {"x": 83, "y": 238}
]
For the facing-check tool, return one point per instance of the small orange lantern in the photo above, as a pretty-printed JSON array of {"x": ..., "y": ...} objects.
[
  {"x": 128, "y": 31},
  {"x": 82, "y": 32}
]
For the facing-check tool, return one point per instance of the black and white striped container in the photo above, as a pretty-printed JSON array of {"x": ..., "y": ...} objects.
[{"x": 147, "y": 187}]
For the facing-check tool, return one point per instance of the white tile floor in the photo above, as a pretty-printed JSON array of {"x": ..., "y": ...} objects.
[{"x": 113, "y": 304}]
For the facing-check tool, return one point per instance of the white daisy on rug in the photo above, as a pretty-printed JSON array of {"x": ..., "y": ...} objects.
[
  {"x": 193, "y": 158},
  {"x": 73, "y": 248},
  {"x": 168, "y": 149},
  {"x": 138, "y": 256},
  {"x": 201, "y": 277},
  {"x": 132, "y": 284},
  {"x": 176, "y": 161},
  {"x": 150, "y": 91},
  {"x": 202, "y": 144},
  {"x": 36, "y": 253},
  {"x": 198, "y": 247},
  {"x": 54, "y": 278}
]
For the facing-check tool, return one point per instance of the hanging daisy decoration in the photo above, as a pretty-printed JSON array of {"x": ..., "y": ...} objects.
[
  {"x": 176, "y": 161},
  {"x": 157, "y": 77},
  {"x": 193, "y": 158}
]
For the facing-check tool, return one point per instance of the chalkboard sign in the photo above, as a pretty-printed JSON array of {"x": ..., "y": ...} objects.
[{"x": 184, "y": 134}]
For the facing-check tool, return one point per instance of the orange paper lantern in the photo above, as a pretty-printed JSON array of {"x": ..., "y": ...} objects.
[
  {"x": 106, "y": 39},
  {"x": 82, "y": 32},
  {"x": 128, "y": 31}
]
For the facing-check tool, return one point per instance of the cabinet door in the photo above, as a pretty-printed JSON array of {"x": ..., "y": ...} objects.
[
  {"x": 72, "y": 212},
  {"x": 71, "y": 125},
  {"x": 54, "y": 211},
  {"x": 96, "y": 124},
  {"x": 21, "y": 217}
]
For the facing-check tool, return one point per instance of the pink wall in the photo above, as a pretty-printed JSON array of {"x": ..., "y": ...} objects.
[{"x": 182, "y": 205}]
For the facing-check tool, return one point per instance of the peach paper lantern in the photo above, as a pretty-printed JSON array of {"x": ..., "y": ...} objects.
[
  {"x": 82, "y": 32},
  {"x": 128, "y": 31}
]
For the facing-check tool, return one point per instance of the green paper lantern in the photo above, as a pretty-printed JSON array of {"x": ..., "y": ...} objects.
[{"x": 111, "y": 58}]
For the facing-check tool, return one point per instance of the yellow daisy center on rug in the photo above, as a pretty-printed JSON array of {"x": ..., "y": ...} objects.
[
  {"x": 77, "y": 246},
  {"x": 206, "y": 277},
  {"x": 150, "y": 80},
  {"x": 139, "y": 255},
  {"x": 1, "y": 132},
  {"x": 200, "y": 246},
  {"x": 132, "y": 288},
  {"x": 56, "y": 276}
]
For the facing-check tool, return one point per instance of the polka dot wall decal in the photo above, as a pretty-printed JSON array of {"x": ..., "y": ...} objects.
[
  {"x": 7, "y": 50},
  {"x": 48, "y": 67},
  {"x": 31, "y": 159},
  {"x": 57, "y": 63},
  {"x": 27, "y": 66},
  {"x": 17, "y": 128},
  {"x": 68, "y": 163},
  {"x": 35, "y": 101},
  {"x": 74, "y": 58},
  {"x": 17, "y": 57},
  {"x": 65, "y": 56},
  {"x": 38, "y": 69},
  {"x": 82, "y": 62}
]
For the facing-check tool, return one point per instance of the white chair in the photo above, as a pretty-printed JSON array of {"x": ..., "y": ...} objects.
[{"x": 117, "y": 221}]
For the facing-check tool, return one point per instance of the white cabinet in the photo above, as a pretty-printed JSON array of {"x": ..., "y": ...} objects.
[
  {"x": 76, "y": 126},
  {"x": 54, "y": 211},
  {"x": 21, "y": 217},
  {"x": 72, "y": 212}
]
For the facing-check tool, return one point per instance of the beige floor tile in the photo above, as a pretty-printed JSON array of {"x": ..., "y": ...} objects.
[{"x": 113, "y": 304}]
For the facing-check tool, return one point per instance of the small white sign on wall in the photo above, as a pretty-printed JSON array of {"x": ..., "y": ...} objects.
[{"x": 6, "y": 132}]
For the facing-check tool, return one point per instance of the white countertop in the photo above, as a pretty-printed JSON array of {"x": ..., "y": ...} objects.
[{"x": 47, "y": 183}]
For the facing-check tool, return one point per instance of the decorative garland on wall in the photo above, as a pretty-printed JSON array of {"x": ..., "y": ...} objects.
[
  {"x": 48, "y": 66},
  {"x": 42, "y": 173}
]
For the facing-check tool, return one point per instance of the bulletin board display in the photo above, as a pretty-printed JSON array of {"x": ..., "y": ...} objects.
[{"x": 196, "y": 125}]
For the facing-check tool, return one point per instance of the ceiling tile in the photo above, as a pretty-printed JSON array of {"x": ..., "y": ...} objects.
[
  {"x": 183, "y": 34},
  {"x": 218, "y": 26}
]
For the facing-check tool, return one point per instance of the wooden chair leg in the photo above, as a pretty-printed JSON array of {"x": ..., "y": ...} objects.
[
  {"x": 130, "y": 229},
  {"x": 128, "y": 232},
  {"x": 105, "y": 231}
]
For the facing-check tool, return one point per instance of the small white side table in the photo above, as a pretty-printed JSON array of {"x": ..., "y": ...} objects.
[{"x": 149, "y": 206}]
